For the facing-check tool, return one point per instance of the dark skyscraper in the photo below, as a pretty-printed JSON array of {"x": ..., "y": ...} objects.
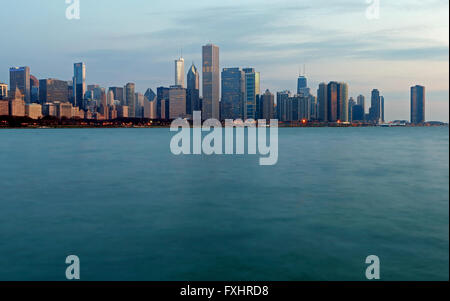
[
  {"x": 162, "y": 96},
  {"x": 332, "y": 102},
  {"x": 130, "y": 96},
  {"x": 283, "y": 107},
  {"x": 375, "y": 106},
  {"x": 322, "y": 99},
  {"x": 211, "y": 82},
  {"x": 150, "y": 95},
  {"x": 252, "y": 92},
  {"x": 79, "y": 83},
  {"x": 302, "y": 85},
  {"x": 418, "y": 104},
  {"x": 34, "y": 89},
  {"x": 267, "y": 105},
  {"x": 193, "y": 91},
  {"x": 19, "y": 77},
  {"x": 233, "y": 93}
]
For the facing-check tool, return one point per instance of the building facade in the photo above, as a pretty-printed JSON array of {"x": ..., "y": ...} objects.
[
  {"x": 417, "y": 104},
  {"x": 19, "y": 77},
  {"x": 211, "y": 82}
]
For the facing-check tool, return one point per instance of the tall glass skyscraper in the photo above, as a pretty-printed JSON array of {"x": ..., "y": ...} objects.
[
  {"x": 417, "y": 104},
  {"x": 302, "y": 85},
  {"x": 19, "y": 77},
  {"x": 211, "y": 82},
  {"x": 179, "y": 72},
  {"x": 233, "y": 92},
  {"x": 375, "y": 106},
  {"x": 192, "y": 92},
  {"x": 79, "y": 83},
  {"x": 252, "y": 92},
  {"x": 322, "y": 99}
]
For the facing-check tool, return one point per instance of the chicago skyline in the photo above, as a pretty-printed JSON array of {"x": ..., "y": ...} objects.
[{"x": 406, "y": 46}]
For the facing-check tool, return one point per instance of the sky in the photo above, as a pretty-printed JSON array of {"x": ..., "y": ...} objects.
[{"x": 138, "y": 40}]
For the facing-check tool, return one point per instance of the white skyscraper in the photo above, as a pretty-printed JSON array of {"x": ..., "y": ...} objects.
[{"x": 179, "y": 72}]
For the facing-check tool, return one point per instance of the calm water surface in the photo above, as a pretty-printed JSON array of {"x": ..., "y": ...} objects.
[{"x": 131, "y": 210}]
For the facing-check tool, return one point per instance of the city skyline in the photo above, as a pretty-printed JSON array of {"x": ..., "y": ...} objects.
[{"x": 391, "y": 54}]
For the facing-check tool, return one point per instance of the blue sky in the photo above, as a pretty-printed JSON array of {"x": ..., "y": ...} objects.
[{"x": 137, "y": 41}]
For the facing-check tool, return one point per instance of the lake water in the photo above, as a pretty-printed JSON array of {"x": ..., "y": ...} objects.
[{"x": 131, "y": 210}]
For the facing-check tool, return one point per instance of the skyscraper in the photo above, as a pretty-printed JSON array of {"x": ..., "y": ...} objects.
[
  {"x": 322, "y": 99},
  {"x": 193, "y": 91},
  {"x": 34, "y": 89},
  {"x": 162, "y": 96},
  {"x": 233, "y": 92},
  {"x": 130, "y": 96},
  {"x": 361, "y": 101},
  {"x": 375, "y": 106},
  {"x": 211, "y": 82},
  {"x": 342, "y": 102},
  {"x": 267, "y": 105},
  {"x": 79, "y": 83},
  {"x": 382, "y": 109},
  {"x": 19, "y": 77},
  {"x": 53, "y": 90},
  {"x": 150, "y": 95},
  {"x": 332, "y": 101},
  {"x": 252, "y": 92},
  {"x": 283, "y": 110},
  {"x": 118, "y": 94},
  {"x": 302, "y": 85},
  {"x": 179, "y": 72},
  {"x": 177, "y": 102},
  {"x": 417, "y": 104}
]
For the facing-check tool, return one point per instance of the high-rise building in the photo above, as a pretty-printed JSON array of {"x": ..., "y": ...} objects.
[
  {"x": 342, "y": 102},
  {"x": 17, "y": 103},
  {"x": 361, "y": 101},
  {"x": 150, "y": 95},
  {"x": 119, "y": 95},
  {"x": 19, "y": 77},
  {"x": 267, "y": 105},
  {"x": 162, "y": 94},
  {"x": 193, "y": 92},
  {"x": 34, "y": 89},
  {"x": 322, "y": 100},
  {"x": 283, "y": 111},
  {"x": 357, "y": 113},
  {"x": 211, "y": 82},
  {"x": 53, "y": 90},
  {"x": 140, "y": 101},
  {"x": 382, "y": 109},
  {"x": 418, "y": 104},
  {"x": 302, "y": 85},
  {"x": 3, "y": 91},
  {"x": 130, "y": 96},
  {"x": 252, "y": 92},
  {"x": 332, "y": 102},
  {"x": 179, "y": 72},
  {"x": 375, "y": 106},
  {"x": 351, "y": 104},
  {"x": 233, "y": 93},
  {"x": 79, "y": 84},
  {"x": 177, "y": 102}
]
